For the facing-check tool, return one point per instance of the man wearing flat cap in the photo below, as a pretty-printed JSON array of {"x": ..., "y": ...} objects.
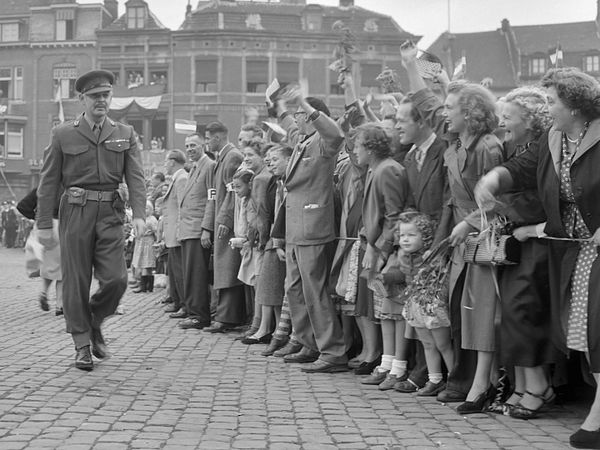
[{"x": 89, "y": 157}]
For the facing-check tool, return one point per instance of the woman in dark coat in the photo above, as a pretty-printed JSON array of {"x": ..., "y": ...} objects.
[
  {"x": 565, "y": 170},
  {"x": 524, "y": 288}
]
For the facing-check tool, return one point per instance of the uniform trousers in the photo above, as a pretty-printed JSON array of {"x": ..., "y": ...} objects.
[
  {"x": 175, "y": 269},
  {"x": 91, "y": 237},
  {"x": 196, "y": 292},
  {"x": 314, "y": 316}
]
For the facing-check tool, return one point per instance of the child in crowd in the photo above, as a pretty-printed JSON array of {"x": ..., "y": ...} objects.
[
  {"x": 144, "y": 259},
  {"x": 427, "y": 314},
  {"x": 243, "y": 226}
]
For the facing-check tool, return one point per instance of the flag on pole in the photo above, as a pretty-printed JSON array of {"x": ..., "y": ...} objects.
[
  {"x": 598, "y": 18},
  {"x": 58, "y": 99},
  {"x": 185, "y": 126},
  {"x": 557, "y": 57},
  {"x": 460, "y": 68}
]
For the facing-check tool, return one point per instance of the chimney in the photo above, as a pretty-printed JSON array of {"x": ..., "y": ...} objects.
[
  {"x": 346, "y": 3},
  {"x": 188, "y": 9},
  {"x": 112, "y": 6}
]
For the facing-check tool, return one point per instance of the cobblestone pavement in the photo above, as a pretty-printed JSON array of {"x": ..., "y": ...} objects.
[{"x": 175, "y": 389}]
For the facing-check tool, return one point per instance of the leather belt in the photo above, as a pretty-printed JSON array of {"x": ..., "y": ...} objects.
[{"x": 100, "y": 196}]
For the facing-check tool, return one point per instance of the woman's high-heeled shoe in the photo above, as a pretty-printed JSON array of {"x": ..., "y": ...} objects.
[
  {"x": 585, "y": 439},
  {"x": 479, "y": 404},
  {"x": 521, "y": 412},
  {"x": 365, "y": 368}
]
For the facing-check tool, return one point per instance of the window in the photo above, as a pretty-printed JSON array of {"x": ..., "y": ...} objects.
[
  {"x": 18, "y": 93},
  {"x": 313, "y": 21},
  {"x": 9, "y": 32},
  {"x": 537, "y": 66},
  {"x": 287, "y": 72},
  {"x": 136, "y": 17},
  {"x": 158, "y": 77},
  {"x": 591, "y": 63},
  {"x": 64, "y": 77},
  {"x": 11, "y": 145},
  {"x": 5, "y": 82},
  {"x": 336, "y": 89},
  {"x": 368, "y": 77},
  {"x": 206, "y": 74},
  {"x": 135, "y": 77},
  {"x": 257, "y": 75},
  {"x": 64, "y": 30}
]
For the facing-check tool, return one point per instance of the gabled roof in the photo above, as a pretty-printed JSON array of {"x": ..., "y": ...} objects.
[
  {"x": 151, "y": 23},
  {"x": 285, "y": 17},
  {"x": 486, "y": 54},
  {"x": 574, "y": 36}
]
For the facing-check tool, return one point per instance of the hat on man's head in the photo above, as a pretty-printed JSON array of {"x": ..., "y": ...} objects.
[{"x": 95, "y": 81}]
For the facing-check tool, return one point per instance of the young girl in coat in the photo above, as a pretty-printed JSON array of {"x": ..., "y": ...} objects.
[
  {"x": 427, "y": 315},
  {"x": 144, "y": 259}
]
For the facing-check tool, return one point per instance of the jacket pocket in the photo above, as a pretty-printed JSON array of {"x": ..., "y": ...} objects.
[
  {"x": 116, "y": 156},
  {"x": 77, "y": 158},
  {"x": 316, "y": 222}
]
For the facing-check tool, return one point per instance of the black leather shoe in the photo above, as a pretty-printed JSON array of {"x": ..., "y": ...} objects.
[
  {"x": 365, "y": 368},
  {"x": 172, "y": 308},
  {"x": 83, "y": 358},
  {"x": 450, "y": 396},
  {"x": 191, "y": 323},
  {"x": 274, "y": 345},
  {"x": 262, "y": 340},
  {"x": 478, "y": 405},
  {"x": 99, "y": 349},
  {"x": 44, "y": 302},
  {"x": 325, "y": 367},
  {"x": 181, "y": 314},
  {"x": 302, "y": 357},
  {"x": 290, "y": 348},
  {"x": 585, "y": 439},
  {"x": 58, "y": 312},
  {"x": 217, "y": 327}
]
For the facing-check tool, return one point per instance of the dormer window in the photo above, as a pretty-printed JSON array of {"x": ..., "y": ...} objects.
[
  {"x": 537, "y": 66},
  {"x": 371, "y": 26},
  {"x": 253, "y": 22},
  {"x": 64, "y": 24},
  {"x": 591, "y": 63},
  {"x": 9, "y": 32},
  {"x": 314, "y": 22},
  {"x": 136, "y": 16}
]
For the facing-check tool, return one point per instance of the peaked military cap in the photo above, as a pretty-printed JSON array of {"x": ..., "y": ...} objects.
[{"x": 95, "y": 81}]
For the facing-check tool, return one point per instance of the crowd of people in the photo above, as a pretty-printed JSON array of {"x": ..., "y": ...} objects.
[{"x": 379, "y": 243}]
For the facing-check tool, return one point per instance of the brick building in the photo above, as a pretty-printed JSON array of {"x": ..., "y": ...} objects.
[{"x": 44, "y": 46}]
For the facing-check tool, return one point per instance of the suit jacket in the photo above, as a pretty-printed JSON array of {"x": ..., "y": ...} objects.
[
  {"x": 221, "y": 212},
  {"x": 309, "y": 208},
  {"x": 386, "y": 195},
  {"x": 170, "y": 205},
  {"x": 75, "y": 157},
  {"x": 429, "y": 187},
  {"x": 264, "y": 187},
  {"x": 192, "y": 204}
]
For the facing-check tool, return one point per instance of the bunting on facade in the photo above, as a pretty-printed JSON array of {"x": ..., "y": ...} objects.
[{"x": 149, "y": 103}]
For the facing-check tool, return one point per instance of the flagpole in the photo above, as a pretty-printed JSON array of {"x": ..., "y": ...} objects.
[{"x": 449, "y": 16}]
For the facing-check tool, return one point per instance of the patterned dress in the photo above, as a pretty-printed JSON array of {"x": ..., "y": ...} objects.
[{"x": 576, "y": 228}]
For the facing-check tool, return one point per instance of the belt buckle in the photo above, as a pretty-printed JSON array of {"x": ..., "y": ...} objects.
[{"x": 99, "y": 196}]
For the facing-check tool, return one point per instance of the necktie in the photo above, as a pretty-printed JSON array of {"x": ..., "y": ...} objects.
[
  {"x": 96, "y": 131},
  {"x": 419, "y": 158}
]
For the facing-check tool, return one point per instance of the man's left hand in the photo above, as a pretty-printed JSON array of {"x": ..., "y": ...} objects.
[
  {"x": 139, "y": 224},
  {"x": 223, "y": 231}
]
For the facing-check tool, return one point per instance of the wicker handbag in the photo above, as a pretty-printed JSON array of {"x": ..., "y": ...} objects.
[{"x": 493, "y": 246}]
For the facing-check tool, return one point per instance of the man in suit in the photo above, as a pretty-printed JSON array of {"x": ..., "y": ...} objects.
[
  {"x": 231, "y": 310},
  {"x": 89, "y": 157},
  {"x": 309, "y": 229},
  {"x": 195, "y": 234},
  {"x": 174, "y": 166}
]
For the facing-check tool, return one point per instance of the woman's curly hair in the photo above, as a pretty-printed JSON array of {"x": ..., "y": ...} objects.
[
  {"x": 257, "y": 144},
  {"x": 533, "y": 104},
  {"x": 478, "y": 105},
  {"x": 376, "y": 138},
  {"x": 577, "y": 90},
  {"x": 422, "y": 222}
]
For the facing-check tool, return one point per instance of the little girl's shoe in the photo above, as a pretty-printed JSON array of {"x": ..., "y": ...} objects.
[
  {"x": 376, "y": 377},
  {"x": 389, "y": 382}
]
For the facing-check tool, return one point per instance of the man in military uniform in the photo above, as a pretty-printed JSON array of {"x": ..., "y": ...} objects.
[{"x": 89, "y": 157}]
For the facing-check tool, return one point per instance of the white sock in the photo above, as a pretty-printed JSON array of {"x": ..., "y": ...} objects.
[
  {"x": 435, "y": 378},
  {"x": 398, "y": 367},
  {"x": 386, "y": 363}
]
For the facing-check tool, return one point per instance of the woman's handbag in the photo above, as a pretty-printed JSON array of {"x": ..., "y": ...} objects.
[
  {"x": 493, "y": 246},
  {"x": 427, "y": 293}
]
